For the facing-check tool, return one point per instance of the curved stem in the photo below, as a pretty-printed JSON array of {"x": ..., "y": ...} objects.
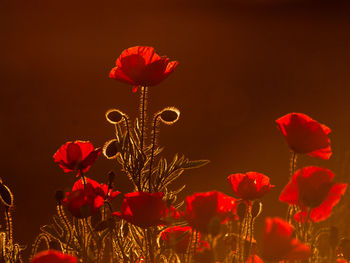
[{"x": 152, "y": 151}]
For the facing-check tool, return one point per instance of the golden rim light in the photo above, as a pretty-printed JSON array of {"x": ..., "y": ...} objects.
[{"x": 169, "y": 115}]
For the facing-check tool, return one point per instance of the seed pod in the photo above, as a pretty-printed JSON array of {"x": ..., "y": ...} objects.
[
  {"x": 6, "y": 196},
  {"x": 169, "y": 115},
  {"x": 241, "y": 210},
  {"x": 111, "y": 149},
  {"x": 114, "y": 116},
  {"x": 256, "y": 209}
]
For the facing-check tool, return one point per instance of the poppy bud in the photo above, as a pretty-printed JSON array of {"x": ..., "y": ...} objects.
[
  {"x": 169, "y": 115},
  {"x": 241, "y": 209},
  {"x": 256, "y": 209},
  {"x": 59, "y": 196},
  {"x": 6, "y": 196},
  {"x": 111, "y": 149},
  {"x": 114, "y": 116}
]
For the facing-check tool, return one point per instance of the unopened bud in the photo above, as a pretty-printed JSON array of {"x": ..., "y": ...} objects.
[
  {"x": 114, "y": 116},
  {"x": 111, "y": 149},
  {"x": 169, "y": 115}
]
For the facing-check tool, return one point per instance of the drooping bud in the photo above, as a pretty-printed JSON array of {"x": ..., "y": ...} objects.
[
  {"x": 256, "y": 209},
  {"x": 114, "y": 116},
  {"x": 111, "y": 149},
  {"x": 169, "y": 115},
  {"x": 6, "y": 196}
]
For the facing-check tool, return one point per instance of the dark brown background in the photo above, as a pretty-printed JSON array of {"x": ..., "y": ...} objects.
[{"x": 242, "y": 65}]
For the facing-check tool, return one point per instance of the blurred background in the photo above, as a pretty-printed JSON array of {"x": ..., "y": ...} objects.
[{"x": 242, "y": 65}]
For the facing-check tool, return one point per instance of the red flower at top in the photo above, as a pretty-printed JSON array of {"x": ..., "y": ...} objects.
[
  {"x": 202, "y": 209},
  {"x": 313, "y": 188},
  {"x": 305, "y": 135},
  {"x": 76, "y": 156},
  {"x": 278, "y": 242},
  {"x": 85, "y": 200},
  {"x": 53, "y": 256},
  {"x": 141, "y": 66},
  {"x": 250, "y": 186},
  {"x": 145, "y": 209}
]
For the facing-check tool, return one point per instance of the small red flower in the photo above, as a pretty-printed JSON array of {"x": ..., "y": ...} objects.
[
  {"x": 305, "y": 135},
  {"x": 85, "y": 200},
  {"x": 313, "y": 188},
  {"x": 250, "y": 186},
  {"x": 278, "y": 242},
  {"x": 204, "y": 209},
  {"x": 141, "y": 66},
  {"x": 145, "y": 209},
  {"x": 76, "y": 156},
  {"x": 177, "y": 238},
  {"x": 53, "y": 256}
]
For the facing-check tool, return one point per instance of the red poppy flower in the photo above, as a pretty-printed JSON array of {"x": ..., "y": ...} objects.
[
  {"x": 313, "y": 188},
  {"x": 250, "y": 186},
  {"x": 141, "y": 66},
  {"x": 53, "y": 256},
  {"x": 145, "y": 209},
  {"x": 85, "y": 201},
  {"x": 76, "y": 156},
  {"x": 204, "y": 209},
  {"x": 278, "y": 242},
  {"x": 177, "y": 238},
  {"x": 305, "y": 135}
]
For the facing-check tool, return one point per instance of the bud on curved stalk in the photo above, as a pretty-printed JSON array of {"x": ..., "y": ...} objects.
[
  {"x": 114, "y": 116},
  {"x": 169, "y": 115},
  {"x": 111, "y": 149}
]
